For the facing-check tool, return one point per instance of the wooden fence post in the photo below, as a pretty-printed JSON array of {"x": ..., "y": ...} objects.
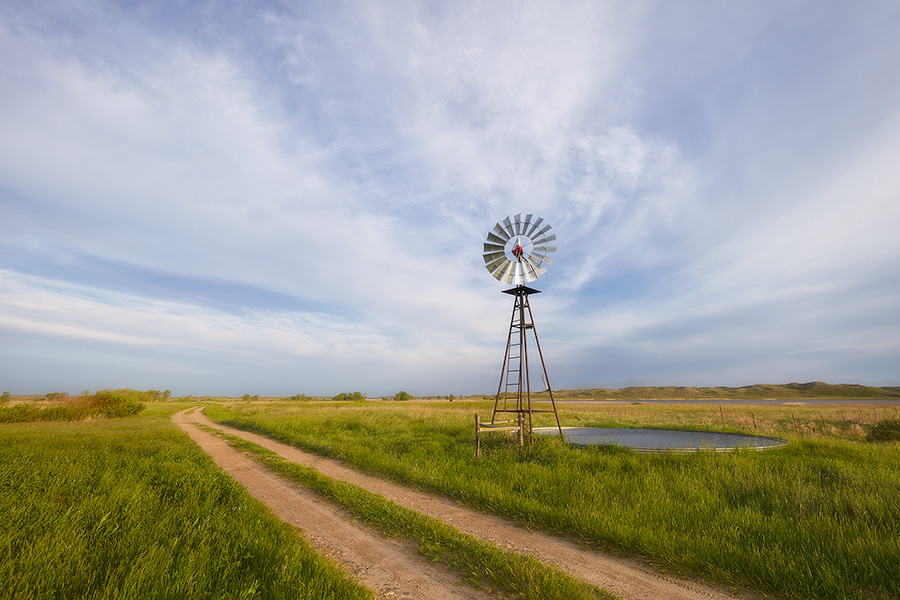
[
  {"x": 521, "y": 427},
  {"x": 477, "y": 436}
]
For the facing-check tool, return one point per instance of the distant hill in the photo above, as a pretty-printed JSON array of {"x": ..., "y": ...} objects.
[{"x": 814, "y": 389}]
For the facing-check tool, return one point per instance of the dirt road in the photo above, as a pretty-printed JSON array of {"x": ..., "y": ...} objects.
[{"x": 626, "y": 578}]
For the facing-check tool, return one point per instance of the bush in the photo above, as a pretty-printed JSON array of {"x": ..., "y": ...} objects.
[
  {"x": 402, "y": 396},
  {"x": 115, "y": 403},
  {"x": 350, "y": 397},
  {"x": 887, "y": 430},
  {"x": 105, "y": 403}
]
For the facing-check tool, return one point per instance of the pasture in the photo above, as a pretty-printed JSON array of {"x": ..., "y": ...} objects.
[
  {"x": 130, "y": 507},
  {"x": 819, "y": 518}
]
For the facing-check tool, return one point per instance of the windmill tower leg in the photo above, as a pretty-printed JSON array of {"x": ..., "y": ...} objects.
[{"x": 515, "y": 375}]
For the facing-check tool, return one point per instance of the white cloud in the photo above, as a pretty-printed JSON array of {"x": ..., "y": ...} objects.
[{"x": 352, "y": 158}]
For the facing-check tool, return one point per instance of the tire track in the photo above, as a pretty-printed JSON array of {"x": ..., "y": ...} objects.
[
  {"x": 627, "y": 578},
  {"x": 392, "y": 568}
]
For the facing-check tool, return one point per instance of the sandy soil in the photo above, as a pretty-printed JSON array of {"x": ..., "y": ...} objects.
[{"x": 390, "y": 567}]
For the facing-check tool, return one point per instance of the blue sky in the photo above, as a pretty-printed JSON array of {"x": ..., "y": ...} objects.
[{"x": 280, "y": 198}]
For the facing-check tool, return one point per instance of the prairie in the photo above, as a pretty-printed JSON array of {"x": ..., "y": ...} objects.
[
  {"x": 818, "y": 518},
  {"x": 131, "y": 508}
]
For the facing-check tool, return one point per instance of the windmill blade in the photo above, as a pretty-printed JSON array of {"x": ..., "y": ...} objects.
[
  {"x": 496, "y": 239},
  {"x": 541, "y": 231},
  {"x": 517, "y": 224},
  {"x": 541, "y": 255},
  {"x": 492, "y": 248},
  {"x": 545, "y": 249},
  {"x": 509, "y": 227},
  {"x": 543, "y": 241},
  {"x": 526, "y": 224},
  {"x": 496, "y": 263},
  {"x": 500, "y": 271},
  {"x": 490, "y": 257},
  {"x": 500, "y": 232},
  {"x": 508, "y": 272},
  {"x": 534, "y": 226}
]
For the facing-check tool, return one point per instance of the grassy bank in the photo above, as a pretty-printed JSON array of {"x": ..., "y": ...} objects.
[
  {"x": 131, "y": 508},
  {"x": 816, "y": 519}
]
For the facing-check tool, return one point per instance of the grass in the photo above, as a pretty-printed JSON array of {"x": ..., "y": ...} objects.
[
  {"x": 819, "y": 518},
  {"x": 132, "y": 508},
  {"x": 480, "y": 563}
]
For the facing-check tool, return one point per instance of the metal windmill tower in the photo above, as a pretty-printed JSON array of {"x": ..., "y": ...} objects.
[{"x": 516, "y": 252}]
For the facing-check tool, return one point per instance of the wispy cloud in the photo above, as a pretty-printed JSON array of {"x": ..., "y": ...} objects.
[{"x": 304, "y": 190}]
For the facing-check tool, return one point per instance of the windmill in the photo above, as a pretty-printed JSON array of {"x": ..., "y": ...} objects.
[{"x": 516, "y": 252}]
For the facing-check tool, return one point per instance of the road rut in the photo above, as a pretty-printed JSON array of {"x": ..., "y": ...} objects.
[
  {"x": 627, "y": 578},
  {"x": 391, "y": 568}
]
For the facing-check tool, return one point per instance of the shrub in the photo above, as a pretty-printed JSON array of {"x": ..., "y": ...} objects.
[
  {"x": 402, "y": 396},
  {"x": 115, "y": 403},
  {"x": 349, "y": 397},
  {"x": 105, "y": 403},
  {"x": 887, "y": 430}
]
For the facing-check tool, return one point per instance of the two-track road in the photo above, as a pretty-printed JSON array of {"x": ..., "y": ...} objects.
[{"x": 394, "y": 569}]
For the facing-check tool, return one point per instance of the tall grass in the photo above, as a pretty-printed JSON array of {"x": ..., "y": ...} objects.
[
  {"x": 819, "y": 518},
  {"x": 131, "y": 508}
]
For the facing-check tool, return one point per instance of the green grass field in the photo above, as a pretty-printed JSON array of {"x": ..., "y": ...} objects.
[
  {"x": 819, "y": 518},
  {"x": 132, "y": 508},
  {"x": 480, "y": 563},
  {"x": 129, "y": 507}
]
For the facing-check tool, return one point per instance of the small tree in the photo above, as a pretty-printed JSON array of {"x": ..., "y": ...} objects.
[
  {"x": 349, "y": 397},
  {"x": 401, "y": 396}
]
